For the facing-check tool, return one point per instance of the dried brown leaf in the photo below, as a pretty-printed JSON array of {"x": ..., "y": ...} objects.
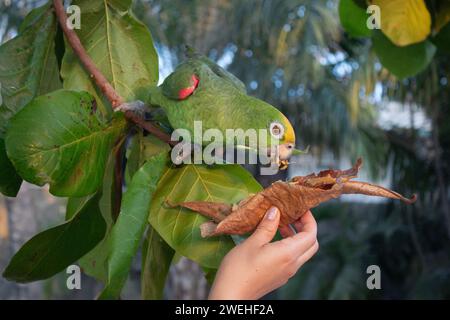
[{"x": 292, "y": 198}]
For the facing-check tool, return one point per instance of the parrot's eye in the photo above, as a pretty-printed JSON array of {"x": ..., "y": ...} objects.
[{"x": 276, "y": 130}]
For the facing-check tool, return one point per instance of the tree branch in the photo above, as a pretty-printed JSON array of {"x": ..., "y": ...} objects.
[{"x": 100, "y": 80}]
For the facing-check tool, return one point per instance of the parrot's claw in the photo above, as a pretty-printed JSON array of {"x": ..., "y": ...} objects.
[
  {"x": 275, "y": 159},
  {"x": 137, "y": 107}
]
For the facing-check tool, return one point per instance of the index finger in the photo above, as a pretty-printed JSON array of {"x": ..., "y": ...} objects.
[
  {"x": 295, "y": 227},
  {"x": 308, "y": 234},
  {"x": 307, "y": 223}
]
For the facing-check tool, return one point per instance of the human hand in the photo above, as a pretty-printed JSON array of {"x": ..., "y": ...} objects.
[{"x": 255, "y": 267}]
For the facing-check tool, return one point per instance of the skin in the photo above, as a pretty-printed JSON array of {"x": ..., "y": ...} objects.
[{"x": 258, "y": 266}]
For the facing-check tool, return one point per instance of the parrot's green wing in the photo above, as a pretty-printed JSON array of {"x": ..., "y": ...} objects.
[
  {"x": 224, "y": 74},
  {"x": 218, "y": 70},
  {"x": 182, "y": 83}
]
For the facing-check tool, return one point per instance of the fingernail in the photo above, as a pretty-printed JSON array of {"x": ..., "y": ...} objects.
[{"x": 271, "y": 213}]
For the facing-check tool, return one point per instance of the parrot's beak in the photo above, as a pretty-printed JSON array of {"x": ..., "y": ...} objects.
[
  {"x": 281, "y": 155},
  {"x": 285, "y": 151}
]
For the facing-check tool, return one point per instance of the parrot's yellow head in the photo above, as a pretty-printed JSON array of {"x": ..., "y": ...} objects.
[
  {"x": 289, "y": 134},
  {"x": 284, "y": 132}
]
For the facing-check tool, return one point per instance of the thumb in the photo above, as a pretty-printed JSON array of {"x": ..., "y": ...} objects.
[{"x": 267, "y": 228}]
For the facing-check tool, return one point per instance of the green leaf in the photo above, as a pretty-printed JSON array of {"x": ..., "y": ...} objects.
[
  {"x": 151, "y": 146},
  {"x": 9, "y": 180},
  {"x": 61, "y": 139},
  {"x": 127, "y": 233},
  {"x": 210, "y": 275},
  {"x": 180, "y": 227},
  {"x": 403, "y": 61},
  {"x": 94, "y": 263},
  {"x": 404, "y": 22},
  {"x": 353, "y": 19},
  {"x": 156, "y": 259},
  {"x": 28, "y": 65},
  {"x": 141, "y": 149},
  {"x": 34, "y": 16},
  {"x": 74, "y": 205},
  {"x": 28, "y": 68},
  {"x": 133, "y": 154},
  {"x": 119, "y": 45},
  {"x": 51, "y": 251},
  {"x": 361, "y": 3},
  {"x": 176, "y": 258}
]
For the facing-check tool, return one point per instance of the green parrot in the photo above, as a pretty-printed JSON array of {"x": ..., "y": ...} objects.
[{"x": 200, "y": 90}]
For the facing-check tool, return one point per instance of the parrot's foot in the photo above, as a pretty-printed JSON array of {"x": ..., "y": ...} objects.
[
  {"x": 137, "y": 107},
  {"x": 275, "y": 160},
  {"x": 283, "y": 165}
]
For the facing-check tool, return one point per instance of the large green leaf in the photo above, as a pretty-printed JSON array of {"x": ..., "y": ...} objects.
[
  {"x": 353, "y": 19},
  {"x": 133, "y": 157},
  {"x": 63, "y": 140},
  {"x": 157, "y": 256},
  {"x": 28, "y": 65},
  {"x": 94, "y": 262},
  {"x": 403, "y": 61},
  {"x": 180, "y": 227},
  {"x": 28, "y": 68},
  {"x": 404, "y": 22},
  {"x": 51, "y": 251},
  {"x": 127, "y": 233},
  {"x": 120, "y": 46}
]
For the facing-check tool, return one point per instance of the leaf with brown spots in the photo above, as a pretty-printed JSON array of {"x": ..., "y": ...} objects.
[
  {"x": 57, "y": 139},
  {"x": 293, "y": 198}
]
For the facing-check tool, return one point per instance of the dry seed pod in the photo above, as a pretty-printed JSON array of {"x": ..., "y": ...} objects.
[{"x": 292, "y": 198}]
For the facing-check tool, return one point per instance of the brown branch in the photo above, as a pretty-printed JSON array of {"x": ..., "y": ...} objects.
[{"x": 100, "y": 80}]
